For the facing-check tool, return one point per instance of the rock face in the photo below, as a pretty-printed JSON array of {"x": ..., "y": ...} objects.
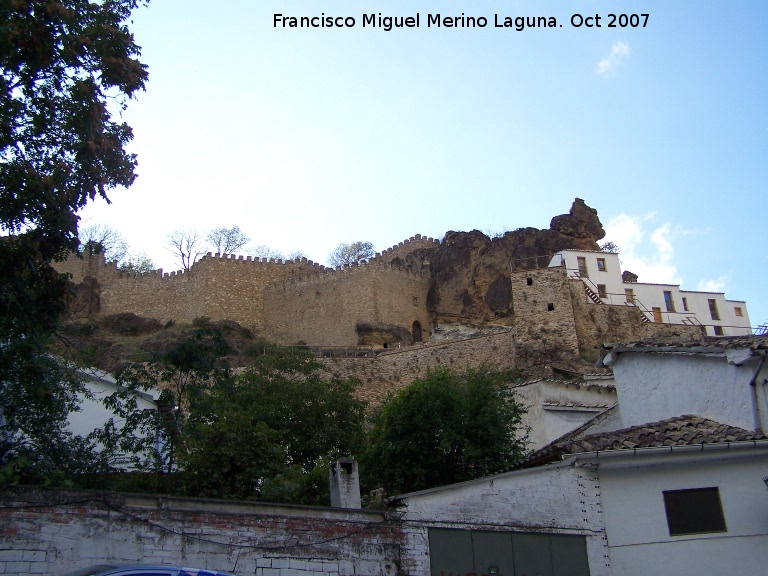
[{"x": 470, "y": 272}]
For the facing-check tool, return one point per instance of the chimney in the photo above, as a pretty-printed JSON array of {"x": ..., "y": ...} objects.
[{"x": 345, "y": 484}]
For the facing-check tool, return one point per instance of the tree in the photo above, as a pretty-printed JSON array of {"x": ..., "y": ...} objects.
[
  {"x": 273, "y": 428},
  {"x": 227, "y": 240},
  {"x": 297, "y": 255},
  {"x": 136, "y": 263},
  {"x": 186, "y": 370},
  {"x": 350, "y": 254},
  {"x": 610, "y": 247},
  {"x": 444, "y": 428},
  {"x": 186, "y": 245},
  {"x": 61, "y": 63},
  {"x": 264, "y": 251},
  {"x": 103, "y": 239}
]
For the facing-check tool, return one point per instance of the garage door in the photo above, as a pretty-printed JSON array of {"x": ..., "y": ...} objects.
[{"x": 470, "y": 552}]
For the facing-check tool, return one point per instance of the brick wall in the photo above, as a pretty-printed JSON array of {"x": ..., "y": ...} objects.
[{"x": 51, "y": 532}]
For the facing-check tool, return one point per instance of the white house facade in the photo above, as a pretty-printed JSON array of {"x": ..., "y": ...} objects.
[
  {"x": 642, "y": 488},
  {"x": 663, "y": 303}
]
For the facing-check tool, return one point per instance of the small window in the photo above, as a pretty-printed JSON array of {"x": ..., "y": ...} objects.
[
  {"x": 601, "y": 291},
  {"x": 713, "y": 309},
  {"x": 630, "y": 294},
  {"x": 529, "y": 281},
  {"x": 685, "y": 304},
  {"x": 668, "y": 301},
  {"x": 737, "y": 310},
  {"x": 696, "y": 511},
  {"x": 718, "y": 330},
  {"x": 601, "y": 264},
  {"x": 550, "y": 307}
]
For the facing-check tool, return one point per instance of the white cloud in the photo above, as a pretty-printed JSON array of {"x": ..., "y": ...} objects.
[
  {"x": 646, "y": 249},
  {"x": 717, "y": 285},
  {"x": 619, "y": 51}
]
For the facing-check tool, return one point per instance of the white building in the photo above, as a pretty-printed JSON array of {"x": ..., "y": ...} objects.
[
  {"x": 640, "y": 489},
  {"x": 93, "y": 414},
  {"x": 663, "y": 303}
]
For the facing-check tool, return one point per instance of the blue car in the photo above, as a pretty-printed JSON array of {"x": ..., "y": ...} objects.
[{"x": 144, "y": 570}]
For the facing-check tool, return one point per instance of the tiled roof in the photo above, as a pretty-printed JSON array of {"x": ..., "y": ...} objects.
[{"x": 684, "y": 430}]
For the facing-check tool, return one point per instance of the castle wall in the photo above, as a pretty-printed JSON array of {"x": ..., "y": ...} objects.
[
  {"x": 543, "y": 310},
  {"x": 405, "y": 247},
  {"x": 325, "y": 310},
  {"x": 391, "y": 371}
]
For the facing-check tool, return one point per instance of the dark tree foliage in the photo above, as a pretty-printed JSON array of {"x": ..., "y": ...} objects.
[
  {"x": 61, "y": 63},
  {"x": 272, "y": 430},
  {"x": 186, "y": 372},
  {"x": 444, "y": 428}
]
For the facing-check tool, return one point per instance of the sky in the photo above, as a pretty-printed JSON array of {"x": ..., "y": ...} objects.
[{"x": 309, "y": 137}]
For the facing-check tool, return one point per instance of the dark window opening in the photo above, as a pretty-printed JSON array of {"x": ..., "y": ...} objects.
[
  {"x": 668, "y": 302},
  {"x": 529, "y": 281},
  {"x": 713, "y": 310},
  {"x": 416, "y": 331},
  {"x": 602, "y": 291},
  {"x": 718, "y": 330},
  {"x": 685, "y": 304},
  {"x": 696, "y": 511},
  {"x": 550, "y": 307}
]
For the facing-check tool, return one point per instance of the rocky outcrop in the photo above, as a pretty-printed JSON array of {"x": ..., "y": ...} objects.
[{"x": 470, "y": 271}]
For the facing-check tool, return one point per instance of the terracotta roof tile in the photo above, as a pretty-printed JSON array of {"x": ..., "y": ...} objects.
[{"x": 681, "y": 431}]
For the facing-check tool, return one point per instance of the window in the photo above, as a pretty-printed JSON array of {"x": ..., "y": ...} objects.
[
  {"x": 718, "y": 330},
  {"x": 713, "y": 309},
  {"x": 601, "y": 264},
  {"x": 582, "y": 263},
  {"x": 630, "y": 294},
  {"x": 529, "y": 281},
  {"x": 601, "y": 291},
  {"x": 685, "y": 304},
  {"x": 550, "y": 307},
  {"x": 737, "y": 311},
  {"x": 696, "y": 511},
  {"x": 668, "y": 301}
]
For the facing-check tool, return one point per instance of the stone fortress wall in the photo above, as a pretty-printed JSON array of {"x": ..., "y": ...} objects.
[
  {"x": 528, "y": 315},
  {"x": 375, "y": 302}
]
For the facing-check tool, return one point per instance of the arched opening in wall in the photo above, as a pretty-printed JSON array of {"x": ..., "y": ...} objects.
[{"x": 416, "y": 331}]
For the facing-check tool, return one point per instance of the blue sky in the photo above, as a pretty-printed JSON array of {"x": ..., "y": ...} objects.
[{"x": 306, "y": 138}]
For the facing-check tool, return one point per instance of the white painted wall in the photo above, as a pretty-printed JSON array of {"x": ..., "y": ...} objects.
[
  {"x": 547, "y": 421},
  {"x": 650, "y": 296},
  {"x": 556, "y": 499},
  {"x": 92, "y": 413},
  {"x": 657, "y": 386},
  {"x": 636, "y": 524}
]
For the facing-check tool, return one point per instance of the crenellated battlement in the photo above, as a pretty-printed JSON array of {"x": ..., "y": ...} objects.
[{"x": 278, "y": 298}]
